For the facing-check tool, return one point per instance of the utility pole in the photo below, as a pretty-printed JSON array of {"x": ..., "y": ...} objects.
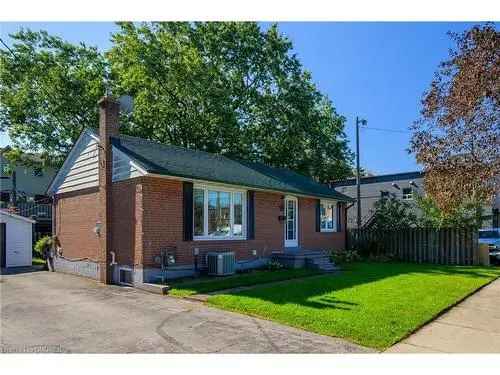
[{"x": 358, "y": 177}]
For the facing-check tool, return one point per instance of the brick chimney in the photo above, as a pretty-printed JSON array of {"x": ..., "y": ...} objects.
[{"x": 109, "y": 110}]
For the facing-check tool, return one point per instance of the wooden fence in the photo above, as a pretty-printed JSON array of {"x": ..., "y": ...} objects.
[{"x": 419, "y": 245}]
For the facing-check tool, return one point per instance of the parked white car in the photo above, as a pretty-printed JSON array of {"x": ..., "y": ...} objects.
[{"x": 491, "y": 237}]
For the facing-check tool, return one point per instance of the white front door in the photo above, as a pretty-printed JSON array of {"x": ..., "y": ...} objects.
[{"x": 291, "y": 213}]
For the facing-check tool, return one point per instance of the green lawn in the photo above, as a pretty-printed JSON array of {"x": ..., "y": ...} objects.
[
  {"x": 211, "y": 284},
  {"x": 373, "y": 304}
]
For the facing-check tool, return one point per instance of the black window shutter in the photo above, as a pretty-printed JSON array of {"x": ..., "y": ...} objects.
[
  {"x": 318, "y": 215},
  {"x": 339, "y": 216},
  {"x": 251, "y": 215},
  {"x": 187, "y": 203}
]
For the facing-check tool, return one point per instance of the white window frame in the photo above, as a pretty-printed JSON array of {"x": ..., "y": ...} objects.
[
  {"x": 206, "y": 236},
  {"x": 295, "y": 242},
  {"x": 334, "y": 215},
  {"x": 407, "y": 197}
]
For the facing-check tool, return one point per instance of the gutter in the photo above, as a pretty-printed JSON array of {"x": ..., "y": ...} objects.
[{"x": 248, "y": 187}]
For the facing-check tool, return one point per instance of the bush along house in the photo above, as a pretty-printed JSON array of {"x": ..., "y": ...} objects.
[{"x": 121, "y": 205}]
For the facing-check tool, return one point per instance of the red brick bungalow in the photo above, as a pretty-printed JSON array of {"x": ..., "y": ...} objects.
[{"x": 119, "y": 201}]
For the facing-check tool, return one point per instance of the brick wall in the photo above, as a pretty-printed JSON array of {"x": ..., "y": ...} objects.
[
  {"x": 308, "y": 237},
  {"x": 126, "y": 221},
  {"x": 162, "y": 223},
  {"x": 76, "y": 214},
  {"x": 147, "y": 217}
]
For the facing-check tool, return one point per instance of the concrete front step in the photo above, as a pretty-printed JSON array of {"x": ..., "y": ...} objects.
[
  {"x": 322, "y": 263},
  {"x": 330, "y": 268},
  {"x": 319, "y": 260},
  {"x": 316, "y": 259}
]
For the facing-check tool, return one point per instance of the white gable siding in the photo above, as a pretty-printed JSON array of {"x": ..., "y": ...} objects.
[
  {"x": 82, "y": 170},
  {"x": 124, "y": 167}
]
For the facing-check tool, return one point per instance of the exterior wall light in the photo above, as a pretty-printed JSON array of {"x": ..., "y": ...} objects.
[{"x": 97, "y": 228}]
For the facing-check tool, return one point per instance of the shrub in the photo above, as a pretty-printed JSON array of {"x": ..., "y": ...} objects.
[
  {"x": 344, "y": 256},
  {"x": 392, "y": 214},
  {"x": 41, "y": 246},
  {"x": 274, "y": 265}
]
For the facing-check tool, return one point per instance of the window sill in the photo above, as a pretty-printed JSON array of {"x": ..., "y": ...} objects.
[
  {"x": 328, "y": 231},
  {"x": 232, "y": 238}
]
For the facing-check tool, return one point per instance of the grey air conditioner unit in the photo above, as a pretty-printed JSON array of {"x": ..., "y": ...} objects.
[{"x": 221, "y": 264}]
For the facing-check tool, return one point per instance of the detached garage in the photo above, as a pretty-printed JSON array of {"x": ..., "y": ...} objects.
[{"x": 16, "y": 240}]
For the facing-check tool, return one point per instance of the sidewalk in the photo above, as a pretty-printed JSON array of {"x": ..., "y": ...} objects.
[{"x": 473, "y": 326}]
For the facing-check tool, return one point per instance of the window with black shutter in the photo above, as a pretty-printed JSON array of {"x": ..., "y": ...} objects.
[{"x": 188, "y": 210}]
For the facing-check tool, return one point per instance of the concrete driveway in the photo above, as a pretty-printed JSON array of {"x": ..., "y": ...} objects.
[
  {"x": 473, "y": 326},
  {"x": 54, "y": 312}
]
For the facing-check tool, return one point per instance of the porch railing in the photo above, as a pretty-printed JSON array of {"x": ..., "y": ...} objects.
[{"x": 41, "y": 211}]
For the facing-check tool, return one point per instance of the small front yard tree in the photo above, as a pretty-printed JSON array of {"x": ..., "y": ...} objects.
[
  {"x": 393, "y": 214},
  {"x": 390, "y": 214},
  {"x": 457, "y": 138}
]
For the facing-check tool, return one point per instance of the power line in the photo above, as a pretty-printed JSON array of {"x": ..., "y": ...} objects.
[
  {"x": 8, "y": 48},
  {"x": 387, "y": 130}
]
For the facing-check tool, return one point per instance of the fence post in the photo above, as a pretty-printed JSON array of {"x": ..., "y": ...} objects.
[
  {"x": 475, "y": 247},
  {"x": 470, "y": 249},
  {"x": 414, "y": 244}
]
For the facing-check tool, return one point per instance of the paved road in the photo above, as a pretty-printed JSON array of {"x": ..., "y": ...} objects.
[
  {"x": 473, "y": 326},
  {"x": 54, "y": 312}
]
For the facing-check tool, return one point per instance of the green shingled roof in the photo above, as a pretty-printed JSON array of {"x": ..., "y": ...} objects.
[{"x": 181, "y": 162}]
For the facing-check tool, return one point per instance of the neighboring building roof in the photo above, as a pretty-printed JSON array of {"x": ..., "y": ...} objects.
[
  {"x": 18, "y": 217},
  {"x": 381, "y": 178},
  {"x": 180, "y": 162}
]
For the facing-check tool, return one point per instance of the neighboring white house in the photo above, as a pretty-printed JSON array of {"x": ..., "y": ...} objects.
[{"x": 16, "y": 240}]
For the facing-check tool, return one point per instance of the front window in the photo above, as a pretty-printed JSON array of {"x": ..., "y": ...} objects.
[
  {"x": 327, "y": 211},
  {"x": 407, "y": 194},
  {"x": 218, "y": 213},
  {"x": 238, "y": 213},
  {"x": 199, "y": 210}
]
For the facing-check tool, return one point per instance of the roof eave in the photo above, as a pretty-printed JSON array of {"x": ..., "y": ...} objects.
[{"x": 338, "y": 196}]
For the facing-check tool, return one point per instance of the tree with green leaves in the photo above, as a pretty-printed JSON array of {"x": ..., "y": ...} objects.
[
  {"x": 228, "y": 88},
  {"x": 467, "y": 214},
  {"x": 392, "y": 214},
  {"x": 48, "y": 92}
]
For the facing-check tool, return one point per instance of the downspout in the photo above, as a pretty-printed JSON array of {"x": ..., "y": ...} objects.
[{"x": 345, "y": 223}]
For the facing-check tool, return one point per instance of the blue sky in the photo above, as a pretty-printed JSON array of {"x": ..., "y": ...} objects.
[{"x": 374, "y": 70}]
